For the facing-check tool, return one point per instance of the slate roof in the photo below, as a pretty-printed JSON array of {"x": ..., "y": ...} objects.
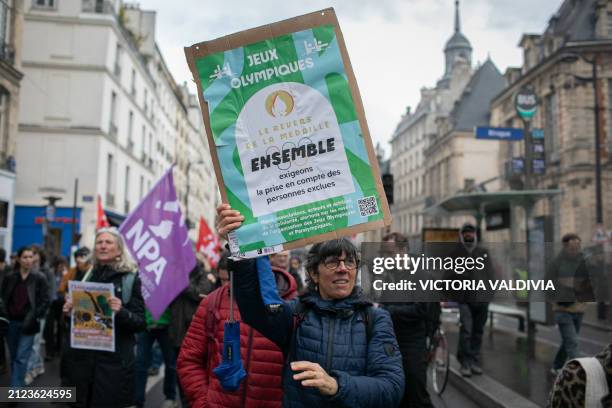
[
  {"x": 575, "y": 20},
  {"x": 472, "y": 108}
]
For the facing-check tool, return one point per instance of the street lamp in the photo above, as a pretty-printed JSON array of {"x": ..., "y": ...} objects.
[
  {"x": 571, "y": 58},
  {"x": 187, "y": 221}
]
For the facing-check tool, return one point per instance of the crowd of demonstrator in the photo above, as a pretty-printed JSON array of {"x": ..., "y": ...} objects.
[{"x": 326, "y": 346}]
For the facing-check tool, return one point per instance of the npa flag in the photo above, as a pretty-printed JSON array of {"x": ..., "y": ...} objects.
[
  {"x": 101, "y": 221},
  {"x": 156, "y": 236},
  {"x": 208, "y": 244}
]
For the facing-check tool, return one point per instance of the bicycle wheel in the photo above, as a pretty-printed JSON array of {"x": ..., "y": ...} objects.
[{"x": 439, "y": 363}]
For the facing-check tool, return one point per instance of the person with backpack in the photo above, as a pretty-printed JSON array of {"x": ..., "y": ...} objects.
[
  {"x": 340, "y": 350},
  {"x": 584, "y": 382},
  {"x": 202, "y": 350},
  {"x": 103, "y": 378}
]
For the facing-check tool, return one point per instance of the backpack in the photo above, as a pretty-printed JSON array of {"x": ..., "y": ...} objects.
[
  {"x": 127, "y": 284},
  {"x": 596, "y": 386}
]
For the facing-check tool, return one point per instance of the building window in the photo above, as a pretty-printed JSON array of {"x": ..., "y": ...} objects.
[
  {"x": 550, "y": 125},
  {"x": 142, "y": 143},
  {"x": 133, "y": 83},
  {"x": 110, "y": 188},
  {"x": 609, "y": 24},
  {"x": 118, "y": 52},
  {"x": 4, "y": 208},
  {"x": 4, "y": 13},
  {"x": 146, "y": 102},
  {"x": 141, "y": 191},
  {"x": 130, "y": 143},
  {"x": 4, "y": 131},
  {"x": 112, "y": 128},
  {"x": 46, "y": 4},
  {"x": 126, "y": 192}
]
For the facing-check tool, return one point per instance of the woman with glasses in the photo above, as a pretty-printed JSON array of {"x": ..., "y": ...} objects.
[
  {"x": 103, "y": 378},
  {"x": 339, "y": 349}
]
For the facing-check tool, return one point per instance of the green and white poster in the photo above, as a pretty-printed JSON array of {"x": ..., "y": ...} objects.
[{"x": 292, "y": 153}]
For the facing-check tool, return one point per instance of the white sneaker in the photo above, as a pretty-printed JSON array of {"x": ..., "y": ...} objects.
[
  {"x": 169, "y": 404},
  {"x": 38, "y": 371},
  {"x": 29, "y": 379}
]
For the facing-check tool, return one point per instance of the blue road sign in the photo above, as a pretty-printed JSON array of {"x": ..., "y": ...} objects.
[{"x": 492, "y": 133}]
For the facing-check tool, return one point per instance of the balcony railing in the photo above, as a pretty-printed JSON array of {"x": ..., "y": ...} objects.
[{"x": 98, "y": 6}]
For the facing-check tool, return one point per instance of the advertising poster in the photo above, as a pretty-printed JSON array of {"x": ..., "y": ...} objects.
[
  {"x": 292, "y": 149},
  {"x": 92, "y": 319}
]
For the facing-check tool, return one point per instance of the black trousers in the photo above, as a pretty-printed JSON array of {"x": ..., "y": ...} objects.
[
  {"x": 54, "y": 327},
  {"x": 412, "y": 345},
  {"x": 472, "y": 317}
]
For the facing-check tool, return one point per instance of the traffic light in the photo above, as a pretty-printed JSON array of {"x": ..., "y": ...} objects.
[{"x": 387, "y": 180}]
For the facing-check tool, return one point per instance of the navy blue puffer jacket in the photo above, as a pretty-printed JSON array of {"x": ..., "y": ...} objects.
[{"x": 332, "y": 334}]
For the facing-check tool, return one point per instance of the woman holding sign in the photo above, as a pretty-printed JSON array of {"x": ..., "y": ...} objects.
[
  {"x": 106, "y": 378},
  {"x": 340, "y": 350}
]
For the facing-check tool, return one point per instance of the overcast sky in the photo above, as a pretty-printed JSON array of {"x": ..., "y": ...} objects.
[{"x": 395, "y": 46}]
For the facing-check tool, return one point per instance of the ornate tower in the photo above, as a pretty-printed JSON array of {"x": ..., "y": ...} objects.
[{"x": 457, "y": 47}]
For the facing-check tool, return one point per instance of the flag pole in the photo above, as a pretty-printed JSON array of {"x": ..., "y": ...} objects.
[{"x": 231, "y": 289}]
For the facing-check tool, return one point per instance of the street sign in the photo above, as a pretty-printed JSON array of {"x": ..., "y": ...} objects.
[
  {"x": 492, "y": 133},
  {"x": 538, "y": 166},
  {"x": 526, "y": 103},
  {"x": 517, "y": 165},
  {"x": 537, "y": 133}
]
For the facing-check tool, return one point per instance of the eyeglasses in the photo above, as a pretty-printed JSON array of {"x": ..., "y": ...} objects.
[{"x": 334, "y": 263}]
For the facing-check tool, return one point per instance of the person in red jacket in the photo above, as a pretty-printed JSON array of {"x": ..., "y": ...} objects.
[{"x": 201, "y": 353}]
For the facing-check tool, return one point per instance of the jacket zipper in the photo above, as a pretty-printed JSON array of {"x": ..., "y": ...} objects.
[
  {"x": 330, "y": 345},
  {"x": 248, "y": 365}
]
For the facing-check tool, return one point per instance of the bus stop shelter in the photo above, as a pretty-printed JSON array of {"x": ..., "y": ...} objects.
[{"x": 479, "y": 203}]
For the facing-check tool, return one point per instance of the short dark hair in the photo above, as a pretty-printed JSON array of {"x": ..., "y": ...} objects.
[
  {"x": 322, "y": 250},
  {"x": 395, "y": 237},
  {"x": 20, "y": 252},
  {"x": 2, "y": 255},
  {"x": 570, "y": 237}
]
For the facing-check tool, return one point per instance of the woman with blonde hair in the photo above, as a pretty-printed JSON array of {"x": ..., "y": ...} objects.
[{"x": 102, "y": 378}]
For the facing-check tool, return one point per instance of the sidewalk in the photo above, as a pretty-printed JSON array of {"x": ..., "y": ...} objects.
[
  {"x": 506, "y": 363},
  {"x": 590, "y": 318}
]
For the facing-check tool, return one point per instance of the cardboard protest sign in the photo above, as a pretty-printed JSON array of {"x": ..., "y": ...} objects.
[
  {"x": 92, "y": 320},
  {"x": 292, "y": 149}
]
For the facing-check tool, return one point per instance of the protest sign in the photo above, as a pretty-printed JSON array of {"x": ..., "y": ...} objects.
[
  {"x": 292, "y": 149},
  {"x": 93, "y": 321},
  {"x": 156, "y": 236}
]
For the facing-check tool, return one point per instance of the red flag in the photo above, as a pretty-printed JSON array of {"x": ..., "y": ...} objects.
[
  {"x": 208, "y": 243},
  {"x": 101, "y": 221}
]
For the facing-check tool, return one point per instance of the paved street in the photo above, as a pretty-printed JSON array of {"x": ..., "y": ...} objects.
[
  {"x": 506, "y": 360},
  {"x": 452, "y": 397}
]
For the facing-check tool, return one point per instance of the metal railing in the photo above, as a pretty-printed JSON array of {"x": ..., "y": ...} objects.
[{"x": 97, "y": 6}]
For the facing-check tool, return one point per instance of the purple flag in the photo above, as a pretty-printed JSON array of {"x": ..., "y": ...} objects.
[{"x": 156, "y": 236}]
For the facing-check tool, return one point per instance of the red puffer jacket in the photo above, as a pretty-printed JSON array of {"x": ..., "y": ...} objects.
[{"x": 262, "y": 360}]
